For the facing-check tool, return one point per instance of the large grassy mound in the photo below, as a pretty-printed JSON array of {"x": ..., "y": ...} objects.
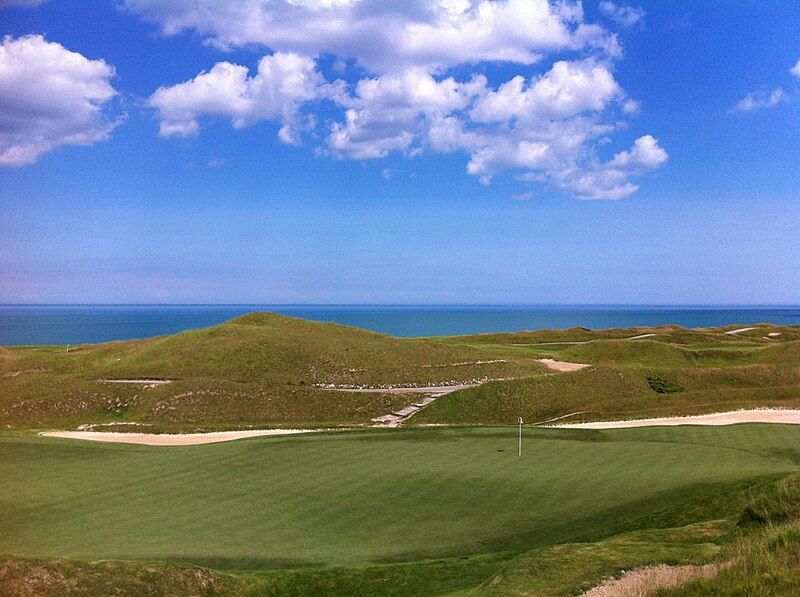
[{"x": 258, "y": 369}]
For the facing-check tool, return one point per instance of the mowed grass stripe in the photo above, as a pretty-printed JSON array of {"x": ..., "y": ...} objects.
[{"x": 360, "y": 497}]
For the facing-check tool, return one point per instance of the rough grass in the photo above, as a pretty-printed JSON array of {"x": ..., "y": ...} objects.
[
  {"x": 764, "y": 559},
  {"x": 765, "y": 563},
  {"x": 573, "y": 568},
  {"x": 36, "y": 578}
]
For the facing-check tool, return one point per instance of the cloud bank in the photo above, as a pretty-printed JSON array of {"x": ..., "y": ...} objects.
[
  {"x": 50, "y": 97},
  {"x": 420, "y": 83}
]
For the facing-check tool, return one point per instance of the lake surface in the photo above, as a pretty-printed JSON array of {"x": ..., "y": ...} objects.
[{"x": 75, "y": 324}]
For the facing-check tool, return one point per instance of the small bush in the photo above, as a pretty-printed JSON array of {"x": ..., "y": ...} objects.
[{"x": 664, "y": 386}]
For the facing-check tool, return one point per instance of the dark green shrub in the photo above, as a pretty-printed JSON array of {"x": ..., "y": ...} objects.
[{"x": 664, "y": 386}]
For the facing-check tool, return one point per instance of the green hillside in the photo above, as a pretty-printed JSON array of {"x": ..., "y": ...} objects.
[
  {"x": 268, "y": 370},
  {"x": 695, "y": 372},
  {"x": 258, "y": 369}
]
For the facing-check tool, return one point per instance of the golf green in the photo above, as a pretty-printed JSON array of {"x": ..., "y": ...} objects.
[{"x": 351, "y": 498}]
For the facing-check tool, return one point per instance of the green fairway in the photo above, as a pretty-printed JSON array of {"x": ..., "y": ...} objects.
[{"x": 354, "y": 498}]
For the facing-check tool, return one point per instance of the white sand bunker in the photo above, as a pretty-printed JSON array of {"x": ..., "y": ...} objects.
[
  {"x": 562, "y": 366},
  {"x": 784, "y": 416},
  {"x": 178, "y": 439},
  {"x": 739, "y": 331}
]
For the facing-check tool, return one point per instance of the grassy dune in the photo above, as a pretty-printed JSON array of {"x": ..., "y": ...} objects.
[
  {"x": 266, "y": 370},
  {"x": 609, "y": 392},
  {"x": 259, "y": 369},
  {"x": 712, "y": 371}
]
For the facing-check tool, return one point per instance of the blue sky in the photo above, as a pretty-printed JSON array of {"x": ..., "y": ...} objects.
[{"x": 648, "y": 154}]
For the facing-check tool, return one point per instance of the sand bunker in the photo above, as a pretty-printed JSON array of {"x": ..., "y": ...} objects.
[
  {"x": 562, "y": 366},
  {"x": 740, "y": 330},
  {"x": 182, "y": 439},
  {"x": 787, "y": 417}
]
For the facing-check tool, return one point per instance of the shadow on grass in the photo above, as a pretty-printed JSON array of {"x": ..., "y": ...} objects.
[{"x": 242, "y": 564}]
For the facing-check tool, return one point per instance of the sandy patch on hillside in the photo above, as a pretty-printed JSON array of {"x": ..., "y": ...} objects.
[
  {"x": 562, "y": 366},
  {"x": 645, "y": 581},
  {"x": 640, "y": 336},
  {"x": 465, "y": 363},
  {"x": 164, "y": 439},
  {"x": 740, "y": 330},
  {"x": 783, "y": 416},
  {"x": 438, "y": 390},
  {"x": 12, "y": 374},
  {"x": 145, "y": 381}
]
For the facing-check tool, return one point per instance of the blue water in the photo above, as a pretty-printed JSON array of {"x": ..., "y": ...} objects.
[{"x": 75, "y": 324}]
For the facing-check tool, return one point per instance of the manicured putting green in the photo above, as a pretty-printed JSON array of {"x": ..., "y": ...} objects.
[{"x": 368, "y": 496}]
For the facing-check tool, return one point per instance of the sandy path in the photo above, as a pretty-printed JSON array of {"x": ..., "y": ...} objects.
[
  {"x": 439, "y": 390},
  {"x": 562, "y": 366},
  {"x": 145, "y": 381},
  {"x": 163, "y": 439},
  {"x": 398, "y": 417},
  {"x": 740, "y": 330},
  {"x": 646, "y": 581},
  {"x": 787, "y": 416},
  {"x": 640, "y": 336}
]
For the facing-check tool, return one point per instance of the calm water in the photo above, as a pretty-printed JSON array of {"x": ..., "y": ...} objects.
[{"x": 99, "y": 323}]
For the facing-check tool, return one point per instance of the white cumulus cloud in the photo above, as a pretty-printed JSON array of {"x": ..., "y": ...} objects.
[
  {"x": 387, "y": 36},
  {"x": 50, "y": 97},
  {"x": 422, "y": 84},
  {"x": 645, "y": 154},
  {"x": 283, "y": 83},
  {"x": 393, "y": 112},
  {"x": 795, "y": 70},
  {"x": 567, "y": 89}
]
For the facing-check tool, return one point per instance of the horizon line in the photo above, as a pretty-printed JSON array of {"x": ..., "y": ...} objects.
[{"x": 437, "y": 305}]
